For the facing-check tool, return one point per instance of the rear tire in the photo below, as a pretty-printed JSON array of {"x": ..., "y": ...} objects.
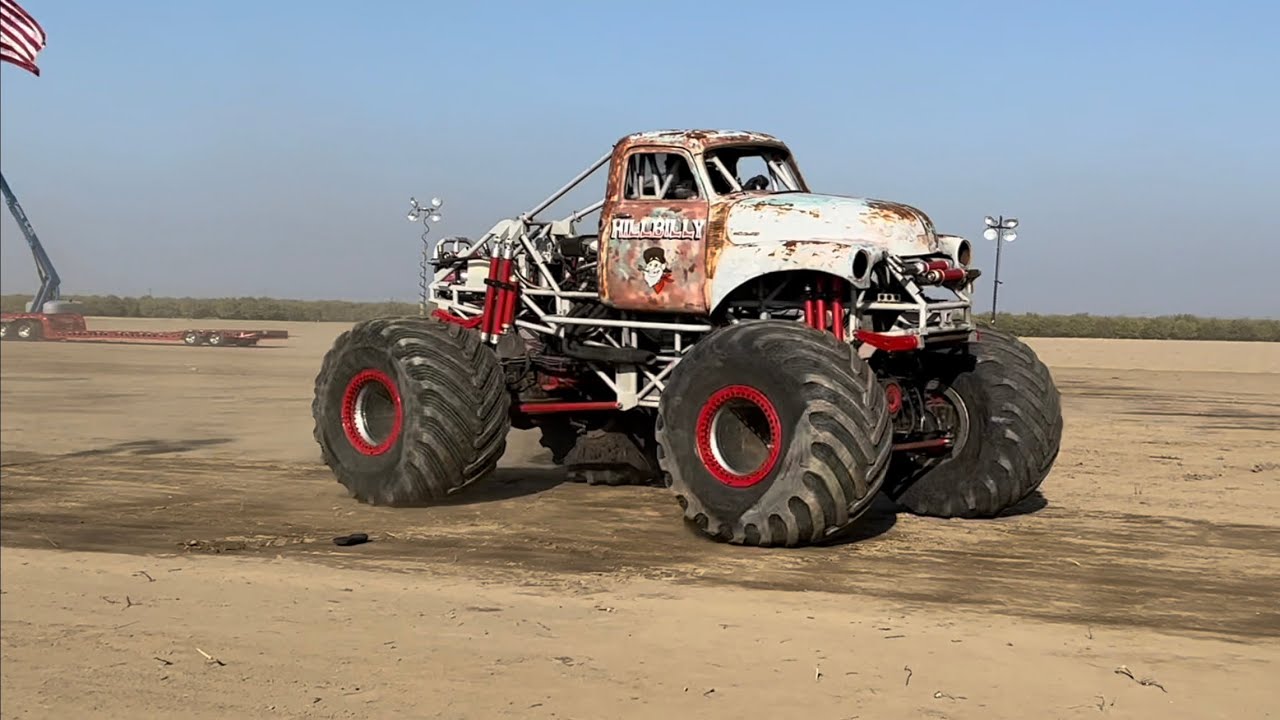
[
  {"x": 409, "y": 410},
  {"x": 821, "y": 440},
  {"x": 1014, "y": 432}
]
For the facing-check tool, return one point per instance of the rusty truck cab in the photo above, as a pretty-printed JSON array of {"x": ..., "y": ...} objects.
[{"x": 659, "y": 234}]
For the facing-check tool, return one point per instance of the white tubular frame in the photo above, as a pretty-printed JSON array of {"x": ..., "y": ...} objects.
[{"x": 543, "y": 306}]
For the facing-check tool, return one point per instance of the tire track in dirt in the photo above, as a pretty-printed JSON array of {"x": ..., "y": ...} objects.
[{"x": 523, "y": 524}]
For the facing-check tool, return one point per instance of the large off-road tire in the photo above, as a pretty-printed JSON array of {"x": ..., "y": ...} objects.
[
  {"x": 1011, "y": 419},
  {"x": 408, "y": 410},
  {"x": 819, "y": 440}
]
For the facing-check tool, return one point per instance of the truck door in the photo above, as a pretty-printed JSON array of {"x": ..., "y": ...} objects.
[{"x": 651, "y": 237}]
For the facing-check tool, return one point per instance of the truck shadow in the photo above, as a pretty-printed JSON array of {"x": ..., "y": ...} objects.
[
  {"x": 883, "y": 514},
  {"x": 879, "y": 519},
  {"x": 150, "y": 447},
  {"x": 506, "y": 483},
  {"x": 1033, "y": 503}
]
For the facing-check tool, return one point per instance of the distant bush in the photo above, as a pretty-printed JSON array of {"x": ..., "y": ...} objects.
[
  {"x": 236, "y": 308},
  {"x": 1164, "y": 327},
  {"x": 1167, "y": 327}
]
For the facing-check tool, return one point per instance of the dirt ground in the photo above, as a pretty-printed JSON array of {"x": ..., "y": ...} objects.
[{"x": 166, "y": 531}]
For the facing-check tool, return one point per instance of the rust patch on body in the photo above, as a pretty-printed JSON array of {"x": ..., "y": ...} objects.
[
  {"x": 651, "y": 249},
  {"x": 786, "y": 249},
  {"x": 897, "y": 212},
  {"x": 892, "y": 212},
  {"x": 717, "y": 236}
]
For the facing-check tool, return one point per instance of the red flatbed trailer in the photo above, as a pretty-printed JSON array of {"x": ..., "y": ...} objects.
[{"x": 71, "y": 327}]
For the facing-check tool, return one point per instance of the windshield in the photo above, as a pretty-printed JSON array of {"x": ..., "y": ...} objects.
[{"x": 751, "y": 168}]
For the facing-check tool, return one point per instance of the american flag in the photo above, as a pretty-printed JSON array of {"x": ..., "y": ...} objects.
[{"x": 21, "y": 37}]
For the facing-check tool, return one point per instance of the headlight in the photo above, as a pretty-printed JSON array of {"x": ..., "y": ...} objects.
[
  {"x": 959, "y": 249},
  {"x": 861, "y": 266}
]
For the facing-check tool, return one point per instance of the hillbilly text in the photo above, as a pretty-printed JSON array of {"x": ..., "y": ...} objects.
[{"x": 658, "y": 228}]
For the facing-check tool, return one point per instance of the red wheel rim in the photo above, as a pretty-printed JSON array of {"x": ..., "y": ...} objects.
[
  {"x": 370, "y": 404},
  {"x": 735, "y": 466}
]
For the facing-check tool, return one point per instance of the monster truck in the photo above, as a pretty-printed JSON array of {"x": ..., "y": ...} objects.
[{"x": 773, "y": 356}]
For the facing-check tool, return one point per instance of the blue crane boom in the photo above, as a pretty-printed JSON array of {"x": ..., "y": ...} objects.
[{"x": 50, "y": 283}]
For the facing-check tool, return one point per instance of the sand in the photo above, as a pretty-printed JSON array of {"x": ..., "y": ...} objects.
[{"x": 158, "y": 504}]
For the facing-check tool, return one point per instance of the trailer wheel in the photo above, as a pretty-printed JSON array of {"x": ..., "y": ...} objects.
[
  {"x": 772, "y": 433},
  {"x": 27, "y": 330},
  {"x": 4, "y": 331},
  {"x": 1009, "y": 414},
  {"x": 409, "y": 410},
  {"x": 215, "y": 339},
  {"x": 191, "y": 337}
]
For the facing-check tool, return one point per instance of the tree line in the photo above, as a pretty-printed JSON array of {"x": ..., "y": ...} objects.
[
  {"x": 1082, "y": 325},
  {"x": 229, "y": 308}
]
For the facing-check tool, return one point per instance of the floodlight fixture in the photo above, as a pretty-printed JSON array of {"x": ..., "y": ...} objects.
[{"x": 1000, "y": 230}]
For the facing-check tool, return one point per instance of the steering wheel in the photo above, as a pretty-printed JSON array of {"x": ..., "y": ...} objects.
[{"x": 759, "y": 182}]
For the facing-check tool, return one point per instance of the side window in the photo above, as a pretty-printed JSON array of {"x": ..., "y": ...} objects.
[{"x": 660, "y": 176}]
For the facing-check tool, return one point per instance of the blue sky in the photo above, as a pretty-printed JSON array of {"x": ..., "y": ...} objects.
[{"x": 270, "y": 148}]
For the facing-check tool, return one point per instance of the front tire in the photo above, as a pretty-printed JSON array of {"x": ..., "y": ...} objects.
[
  {"x": 1011, "y": 413},
  {"x": 817, "y": 449},
  {"x": 409, "y": 410}
]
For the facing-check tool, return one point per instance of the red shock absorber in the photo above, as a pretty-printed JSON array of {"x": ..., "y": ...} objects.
[
  {"x": 809, "y": 306},
  {"x": 501, "y": 290},
  {"x": 937, "y": 277},
  {"x": 510, "y": 299},
  {"x": 820, "y": 308},
  {"x": 920, "y": 267},
  {"x": 491, "y": 292},
  {"x": 837, "y": 308}
]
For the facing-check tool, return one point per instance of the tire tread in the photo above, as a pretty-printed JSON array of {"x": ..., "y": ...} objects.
[
  {"x": 1024, "y": 437},
  {"x": 848, "y": 423},
  {"x": 454, "y": 389}
]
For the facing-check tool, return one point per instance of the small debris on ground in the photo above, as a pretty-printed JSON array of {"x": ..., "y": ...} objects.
[
  {"x": 209, "y": 658},
  {"x": 1148, "y": 682},
  {"x": 352, "y": 539}
]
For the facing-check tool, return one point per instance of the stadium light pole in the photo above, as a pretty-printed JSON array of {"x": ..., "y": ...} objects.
[
  {"x": 428, "y": 214},
  {"x": 1001, "y": 230}
]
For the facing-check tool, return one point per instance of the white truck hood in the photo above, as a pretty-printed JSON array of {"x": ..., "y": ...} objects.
[{"x": 807, "y": 217}]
